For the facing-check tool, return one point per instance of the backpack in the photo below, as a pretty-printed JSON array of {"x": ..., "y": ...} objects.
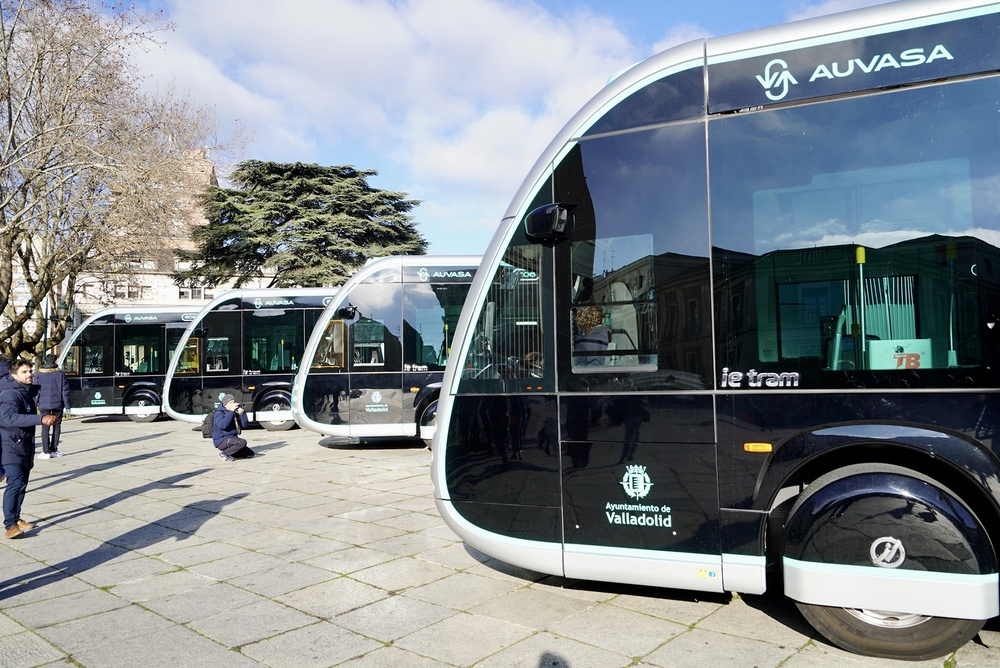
[{"x": 206, "y": 425}]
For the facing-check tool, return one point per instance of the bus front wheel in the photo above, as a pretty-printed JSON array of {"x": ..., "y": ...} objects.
[
  {"x": 889, "y": 634},
  {"x": 428, "y": 420},
  {"x": 274, "y": 404},
  {"x": 144, "y": 415}
]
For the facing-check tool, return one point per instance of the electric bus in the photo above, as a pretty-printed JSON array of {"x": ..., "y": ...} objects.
[
  {"x": 248, "y": 343},
  {"x": 767, "y": 314},
  {"x": 376, "y": 357},
  {"x": 116, "y": 360}
]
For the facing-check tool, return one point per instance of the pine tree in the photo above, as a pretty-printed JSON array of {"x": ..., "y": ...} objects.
[{"x": 302, "y": 224}]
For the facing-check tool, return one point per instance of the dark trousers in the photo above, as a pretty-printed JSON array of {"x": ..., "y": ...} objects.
[
  {"x": 13, "y": 494},
  {"x": 236, "y": 447},
  {"x": 50, "y": 434}
]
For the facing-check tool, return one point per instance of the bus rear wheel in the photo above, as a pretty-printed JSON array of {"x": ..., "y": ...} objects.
[
  {"x": 144, "y": 415},
  {"x": 891, "y": 635},
  {"x": 274, "y": 404},
  {"x": 842, "y": 517}
]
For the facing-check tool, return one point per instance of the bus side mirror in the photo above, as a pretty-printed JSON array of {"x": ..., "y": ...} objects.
[
  {"x": 347, "y": 312},
  {"x": 550, "y": 224}
]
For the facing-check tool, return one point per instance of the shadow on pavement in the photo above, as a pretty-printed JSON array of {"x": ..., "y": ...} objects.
[
  {"x": 178, "y": 525},
  {"x": 56, "y": 478}
]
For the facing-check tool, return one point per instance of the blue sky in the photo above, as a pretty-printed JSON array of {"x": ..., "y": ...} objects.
[{"x": 451, "y": 101}]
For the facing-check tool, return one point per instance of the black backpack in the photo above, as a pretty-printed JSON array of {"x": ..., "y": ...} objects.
[{"x": 206, "y": 425}]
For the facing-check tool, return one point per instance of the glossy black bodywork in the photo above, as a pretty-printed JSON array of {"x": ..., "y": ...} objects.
[
  {"x": 509, "y": 453},
  {"x": 504, "y": 452}
]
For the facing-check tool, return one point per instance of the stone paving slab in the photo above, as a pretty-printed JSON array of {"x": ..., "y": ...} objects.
[{"x": 150, "y": 551}]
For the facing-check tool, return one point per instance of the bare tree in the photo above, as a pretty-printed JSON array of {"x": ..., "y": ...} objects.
[{"x": 92, "y": 167}]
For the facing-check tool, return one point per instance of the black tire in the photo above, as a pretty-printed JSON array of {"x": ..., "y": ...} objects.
[
  {"x": 428, "y": 416},
  {"x": 143, "y": 418},
  {"x": 274, "y": 404},
  {"x": 882, "y": 633},
  {"x": 889, "y": 635}
]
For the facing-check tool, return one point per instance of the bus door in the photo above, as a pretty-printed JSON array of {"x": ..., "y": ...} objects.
[
  {"x": 96, "y": 370},
  {"x": 326, "y": 386},
  {"x": 88, "y": 367},
  {"x": 375, "y": 396},
  {"x": 139, "y": 359},
  {"x": 633, "y": 356},
  {"x": 223, "y": 368},
  {"x": 430, "y": 314}
]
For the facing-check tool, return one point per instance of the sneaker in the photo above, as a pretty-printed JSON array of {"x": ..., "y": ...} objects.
[
  {"x": 25, "y": 525},
  {"x": 224, "y": 457},
  {"x": 14, "y": 532},
  {"x": 44, "y": 455},
  {"x": 55, "y": 453}
]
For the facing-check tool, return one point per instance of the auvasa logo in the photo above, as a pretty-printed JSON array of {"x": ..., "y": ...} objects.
[{"x": 777, "y": 78}]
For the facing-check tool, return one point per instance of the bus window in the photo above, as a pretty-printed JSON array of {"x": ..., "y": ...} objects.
[
  {"x": 140, "y": 349},
  {"x": 217, "y": 354},
  {"x": 273, "y": 339},
  {"x": 376, "y": 332},
  {"x": 369, "y": 343},
  {"x": 631, "y": 286},
  {"x": 330, "y": 352},
  {"x": 71, "y": 363},
  {"x": 94, "y": 359},
  {"x": 430, "y": 313},
  {"x": 189, "y": 362},
  {"x": 614, "y": 321},
  {"x": 857, "y": 262}
]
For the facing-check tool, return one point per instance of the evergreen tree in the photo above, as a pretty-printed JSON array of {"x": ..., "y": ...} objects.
[{"x": 303, "y": 224}]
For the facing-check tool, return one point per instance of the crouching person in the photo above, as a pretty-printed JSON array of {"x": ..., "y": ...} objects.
[
  {"x": 18, "y": 419},
  {"x": 230, "y": 419}
]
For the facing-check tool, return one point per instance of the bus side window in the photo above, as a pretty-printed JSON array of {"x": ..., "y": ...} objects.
[
  {"x": 71, "y": 364},
  {"x": 189, "y": 362},
  {"x": 369, "y": 343},
  {"x": 93, "y": 359},
  {"x": 330, "y": 352},
  {"x": 217, "y": 355}
]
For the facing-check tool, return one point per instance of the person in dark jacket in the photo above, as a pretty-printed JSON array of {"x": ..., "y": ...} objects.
[
  {"x": 18, "y": 418},
  {"x": 230, "y": 419},
  {"x": 53, "y": 399},
  {"x": 4, "y": 371}
]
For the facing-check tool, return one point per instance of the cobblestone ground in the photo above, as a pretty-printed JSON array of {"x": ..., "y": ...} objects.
[{"x": 151, "y": 551}]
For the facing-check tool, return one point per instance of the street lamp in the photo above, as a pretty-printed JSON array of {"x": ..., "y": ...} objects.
[{"x": 62, "y": 315}]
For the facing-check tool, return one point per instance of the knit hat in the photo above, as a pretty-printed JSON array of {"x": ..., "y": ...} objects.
[
  {"x": 226, "y": 398},
  {"x": 50, "y": 362}
]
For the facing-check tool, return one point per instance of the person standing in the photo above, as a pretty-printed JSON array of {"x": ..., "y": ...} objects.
[
  {"x": 53, "y": 399},
  {"x": 4, "y": 372},
  {"x": 18, "y": 418},
  {"x": 230, "y": 419}
]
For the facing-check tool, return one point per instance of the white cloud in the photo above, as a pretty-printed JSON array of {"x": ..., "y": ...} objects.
[
  {"x": 680, "y": 34},
  {"x": 451, "y": 101}
]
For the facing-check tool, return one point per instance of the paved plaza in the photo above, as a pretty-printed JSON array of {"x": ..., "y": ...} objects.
[{"x": 151, "y": 551}]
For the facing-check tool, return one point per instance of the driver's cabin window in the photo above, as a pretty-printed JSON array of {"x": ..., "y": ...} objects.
[
  {"x": 189, "y": 361},
  {"x": 330, "y": 352}
]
